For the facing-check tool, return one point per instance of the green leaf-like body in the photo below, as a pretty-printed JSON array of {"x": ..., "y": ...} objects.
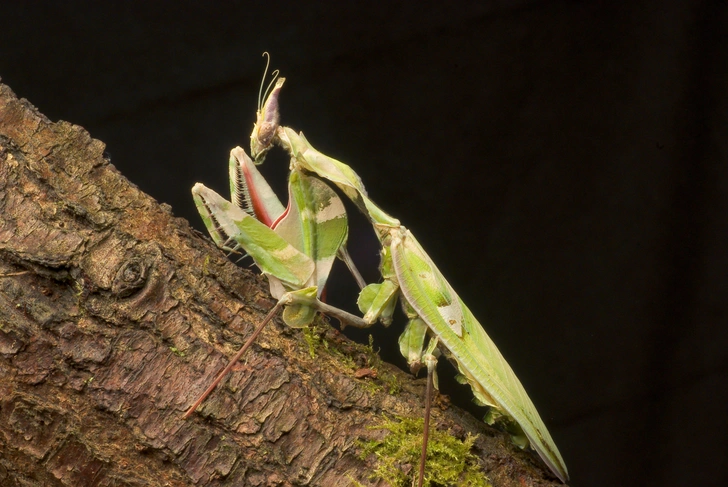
[{"x": 491, "y": 378}]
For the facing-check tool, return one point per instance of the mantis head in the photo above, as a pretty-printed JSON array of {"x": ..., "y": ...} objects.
[{"x": 266, "y": 125}]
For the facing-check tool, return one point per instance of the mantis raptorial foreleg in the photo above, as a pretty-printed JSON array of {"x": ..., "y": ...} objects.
[
  {"x": 431, "y": 304},
  {"x": 294, "y": 246}
]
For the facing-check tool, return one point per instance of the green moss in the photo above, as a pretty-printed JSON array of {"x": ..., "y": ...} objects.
[
  {"x": 177, "y": 352},
  {"x": 449, "y": 460},
  {"x": 384, "y": 378},
  {"x": 390, "y": 381},
  {"x": 313, "y": 339},
  {"x": 352, "y": 356}
]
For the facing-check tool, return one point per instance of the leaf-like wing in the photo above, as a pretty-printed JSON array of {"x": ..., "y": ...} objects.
[{"x": 489, "y": 375}]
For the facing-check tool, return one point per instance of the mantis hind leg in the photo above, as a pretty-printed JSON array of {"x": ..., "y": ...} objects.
[
  {"x": 430, "y": 360},
  {"x": 426, "y": 428}
]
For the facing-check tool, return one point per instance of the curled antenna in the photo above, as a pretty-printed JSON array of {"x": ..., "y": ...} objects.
[{"x": 262, "y": 96}]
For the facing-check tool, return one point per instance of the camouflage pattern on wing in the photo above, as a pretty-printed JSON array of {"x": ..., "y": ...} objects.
[{"x": 491, "y": 378}]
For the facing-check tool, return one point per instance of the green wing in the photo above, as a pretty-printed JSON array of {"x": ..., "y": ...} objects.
[{"x": 493, "y": 381}]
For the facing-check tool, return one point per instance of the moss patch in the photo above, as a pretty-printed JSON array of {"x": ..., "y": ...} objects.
[
  {"x": 313, "y": 339},
  {"x": 353, "y": 357},
  {"x": 449, "y": 460}
]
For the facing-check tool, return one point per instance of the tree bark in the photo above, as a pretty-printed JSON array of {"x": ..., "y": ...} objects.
[{"x": 115, "y": 315}]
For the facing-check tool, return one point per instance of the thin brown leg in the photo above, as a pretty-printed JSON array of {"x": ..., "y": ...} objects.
[
  {"x": 235, "y": 359},
  {"x": 426, "y": 431}
]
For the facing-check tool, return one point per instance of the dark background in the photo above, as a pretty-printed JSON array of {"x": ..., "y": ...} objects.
[{"x": 564, "y": 163}]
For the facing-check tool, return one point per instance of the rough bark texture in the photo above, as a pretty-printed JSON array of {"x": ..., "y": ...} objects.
[{"x": 115, "y": 315}]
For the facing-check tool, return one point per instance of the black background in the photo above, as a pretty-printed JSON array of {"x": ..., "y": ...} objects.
[{"x": 564, "y": 163}]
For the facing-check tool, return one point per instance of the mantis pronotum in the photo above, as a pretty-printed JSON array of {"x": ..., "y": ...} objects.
[{"x": 430, "y": 303}]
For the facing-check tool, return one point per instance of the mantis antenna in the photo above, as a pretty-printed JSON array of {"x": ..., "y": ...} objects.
[{"x": 262, "y": 96}]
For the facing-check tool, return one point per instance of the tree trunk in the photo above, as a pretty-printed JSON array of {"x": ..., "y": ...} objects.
[{"x": 115, "y": 315}]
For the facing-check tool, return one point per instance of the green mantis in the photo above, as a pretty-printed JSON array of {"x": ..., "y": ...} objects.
[
  {"x": 409, "y": 276},
  {"x": 294, "y": 247},
  {"x": 430, "y": 303}
]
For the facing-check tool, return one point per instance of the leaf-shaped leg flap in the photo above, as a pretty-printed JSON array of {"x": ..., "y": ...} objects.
[
  {"x": 412, "y": 342},
  {"x": 300, "y": 307},
  {"x": 377, "y": 302}
]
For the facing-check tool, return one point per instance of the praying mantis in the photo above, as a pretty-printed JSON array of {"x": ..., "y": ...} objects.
[
  {"x": 294, "y": 246},
  {"x": 409, "y": 276}
]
